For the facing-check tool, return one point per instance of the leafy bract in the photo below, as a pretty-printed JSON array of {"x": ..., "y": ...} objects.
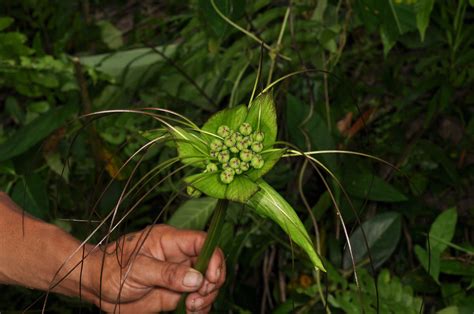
[
  {"x": 232, "y": 117},
  {"x": 262, "y": 117},
  {"x": 240, "y": 190},
  {"x": 270, "y": 204},
  {"x": 191, "y": 150},
  {"x": 208, "y": 183}
]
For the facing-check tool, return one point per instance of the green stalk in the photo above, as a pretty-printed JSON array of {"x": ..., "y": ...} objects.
[{"x": 213, "y": 233}]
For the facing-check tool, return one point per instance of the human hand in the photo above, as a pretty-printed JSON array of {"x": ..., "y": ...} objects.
[{"x": 149, "y": 270}]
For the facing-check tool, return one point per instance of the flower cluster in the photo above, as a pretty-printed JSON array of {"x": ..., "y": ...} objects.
[{"x": 235, "y": 152}]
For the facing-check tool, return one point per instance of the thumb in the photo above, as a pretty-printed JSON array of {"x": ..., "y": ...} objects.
[{"x": 151, "y": 272}]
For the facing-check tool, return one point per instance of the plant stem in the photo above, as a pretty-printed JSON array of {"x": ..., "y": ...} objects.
[{"x": 209, "y": 247}]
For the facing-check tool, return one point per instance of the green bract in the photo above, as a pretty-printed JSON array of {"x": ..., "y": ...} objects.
[{"x": 232, "y": 151}]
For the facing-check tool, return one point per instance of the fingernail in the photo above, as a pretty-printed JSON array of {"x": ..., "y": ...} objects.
[
  {"x": 192, "y": 279},
  {"x": 210, "y": 287}
]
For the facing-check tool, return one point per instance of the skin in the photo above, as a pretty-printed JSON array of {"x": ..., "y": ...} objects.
[{"x": 142, "y": 272}]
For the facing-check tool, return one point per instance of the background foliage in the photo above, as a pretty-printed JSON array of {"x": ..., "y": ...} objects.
[{"x": 393, "y": 79}]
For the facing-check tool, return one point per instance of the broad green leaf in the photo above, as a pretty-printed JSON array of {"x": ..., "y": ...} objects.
[
  {"x": 383, "y": 234},
  {"x": 423, "y": 10},
  {"x": 5, "y": 21},
  {"x": 270, "y": 204},
  {"x": 232, "y": 117},
  {"x": 216, "y": 25},
  {"x": 459, "y": 268},
  {"x": 364, "y": 185},
  {"x": 271, "y": 158},
  {"x": 262, "y": 116},
  {"x": 33, "y": 133},
  {"x": 430, "y": 262},
  {"x": 111, "y": 36},
  {"x": 130, "y": 67},
  {"x": 193, "y": 214},
  {"x": 30, "y": 194},
  {"x": 208, "y": 183},
  {"x": 191, "y": 150},
  {"x": 443, "y": 228}
]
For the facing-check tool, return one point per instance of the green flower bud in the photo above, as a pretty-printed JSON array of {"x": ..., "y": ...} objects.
[
  {"x": 244, "y": 143},
  {"x": 257, "y": 162},
  {"x": 244, "y": 166},
  {"x": 259, "y": 136},
  {"x": 213, "y": 153},
  {"x": 216, "y": 145},
  {"x": 211, "y": 167},
  {"x": 227, "y": 176},
  {"x": 225, "y": 165},
  {"x": 238, "y": 171},
  {"x": 257, "y": 147},
  {"x": 245, "y": 128},
  {"x": 246, "y": 155},
  {"x": 236, "y": 136},
  {"x": 223, "y": 156},
  {"x": 234, "y": 163},
  {"x": 223, "y": 131},
  {"x": 234, "y": 149},
  {"x": 191, "y": 191},
  {"x": 229, "y": 142},
  {"x": 247, "y": 141}
]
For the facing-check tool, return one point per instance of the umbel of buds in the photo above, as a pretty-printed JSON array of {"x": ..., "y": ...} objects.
[{"x": 236, "y": 152}]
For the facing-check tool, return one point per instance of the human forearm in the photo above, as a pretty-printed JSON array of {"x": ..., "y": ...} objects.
[{"x": 32, "y": 252}]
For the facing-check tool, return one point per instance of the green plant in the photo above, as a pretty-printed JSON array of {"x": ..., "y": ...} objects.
[{"x": 396, "y": 83}]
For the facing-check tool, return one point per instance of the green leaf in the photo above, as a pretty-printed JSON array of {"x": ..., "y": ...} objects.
[
  {"x": 364, "y": 185},
  {"x": 431, "y": 263},
  {"x": 217, "y": 26},
  {"x": 130, "y": 67},
  {"x": 193, "y": 214},
  {"x": 262, "y": 116},
  {"x": 111, "y": 36},
  {"x": 271, "y": 158},
  {"x": 30, "y": 194},
  {"x": 423, "y": 10},
  {"x": 443, "y": 228},
  {"x": 55, "y": 163},
  {"x": 33, "y": 133},
  {"x": 5, "y": 22},
  {"x": 459, "y": 268},
  {"x": 191, "y": 150},
  {"x": 208, "y": 183},
  {"x": 232, "y": 117},
  {"x": 241, "y": 189},
  {"x": 383, "y": 234},
  {"x": 39, "y": 106},
  {"x": 270, "y": 204}
]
